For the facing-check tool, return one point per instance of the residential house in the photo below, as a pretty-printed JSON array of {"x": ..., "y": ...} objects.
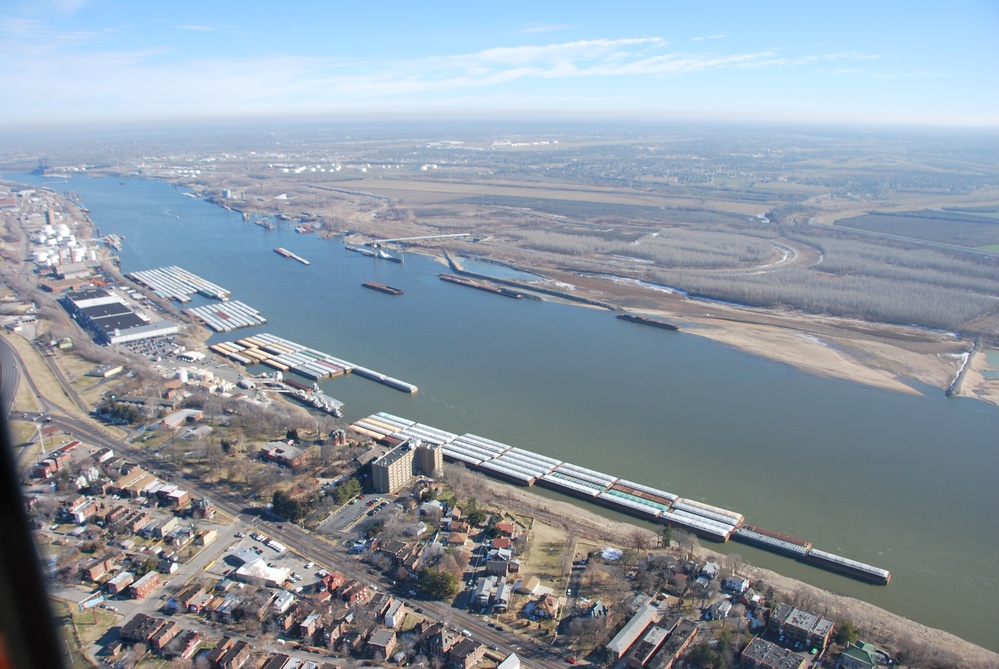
[
  {"x": 438, "y": 640},
  {"x": 736, "y": 584},
  {"x": 498, "y": 561},
  {"x": 140, "y": 628},
  {"x": 117, "y": 583},
  {"x": 184, "y": 645},
  {"x": 355, "y": 593},
  {"x": 529, "y": 585},
  {"x": 396, "y": 614},
  {"x": 466, "y": 654},
  {"x": 860, "y": 655},
  {"x": 336, "y": 629},
  {"x": 307, "y": 628},
  {"x": 381, "y": 644},
  {"x": 98, "y": 568},
  {"x": 484, "y": 590},
  {"x": 505, "y": 529},
  {"x": 501, "y": 600},
  {"x": 145, "y": 585},
  {"x": 235, "y": 657},
  {"x": 547, "y": 607},
  {"x": 167, "y": 631}
]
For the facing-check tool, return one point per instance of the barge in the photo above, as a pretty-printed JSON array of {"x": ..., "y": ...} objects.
[
  {"x": 864, "y": 572},
  {"x": 382, "y": 288},
  {"x": 287, "y": 356},
  {"x": 525, "y": 468},
  {"x": 462, "y": 281},
  {"x": 645, "y": 320},
  {"x": 288, "y": 254}
]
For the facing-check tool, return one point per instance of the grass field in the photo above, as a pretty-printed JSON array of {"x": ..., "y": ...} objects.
[
  {"x": 955, "y": 228},
  {"x": 40, "y": 373}
]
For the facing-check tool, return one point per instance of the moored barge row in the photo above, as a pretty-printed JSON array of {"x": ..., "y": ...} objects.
[
  {"x": 227, "y": 316},
  {"x": 178, "y": 284},
  {"x": 287, "y": 356},
  {"x": 526, "y": 468}
]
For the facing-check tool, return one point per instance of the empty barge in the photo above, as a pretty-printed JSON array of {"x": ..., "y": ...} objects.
[
  {"x": 462, "y": 281},
  {"x": 645, "y": 320},
  {"x": 382, "y": 288},
  {"x": 288, "y": 254}
]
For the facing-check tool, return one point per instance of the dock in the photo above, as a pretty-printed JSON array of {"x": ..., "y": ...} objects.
[
  {"x": 285, "y": 355},
  {"x": 178, "y": 284},
  {"x": 516, "y": 465}
]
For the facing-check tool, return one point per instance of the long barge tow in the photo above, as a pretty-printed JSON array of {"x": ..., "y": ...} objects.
[
  {"x": 382, "y": 288},
  {"x": 286, "y": 356},
  {"x": 645, "y": 320},
  {"x": 288, "y": 254},
  {"x": 526, "y": 468},
  {"x": 462, "y": 281}
]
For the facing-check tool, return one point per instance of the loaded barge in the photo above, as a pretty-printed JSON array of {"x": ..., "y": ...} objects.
[
  {"x": 382, "y": 288},
  {"x": 645, "y": 320},
  {"x": 526, "y": 468},
  {"x": 462, "y": 281},
  {"x": 288, "y": 254},
  {"x": 285, "y": 355}
]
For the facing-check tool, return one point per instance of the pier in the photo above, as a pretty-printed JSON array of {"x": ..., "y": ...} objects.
[{"x": 523, "y": 467}]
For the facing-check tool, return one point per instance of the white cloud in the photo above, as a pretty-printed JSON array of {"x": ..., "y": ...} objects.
[{"x": 198, "y": 28}]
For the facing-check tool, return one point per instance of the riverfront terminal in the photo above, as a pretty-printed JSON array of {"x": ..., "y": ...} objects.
[{"x": 526, "y": 468}]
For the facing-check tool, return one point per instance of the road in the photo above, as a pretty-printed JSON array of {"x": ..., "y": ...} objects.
[
  {"x": 10, "y": 376},
  {"x": 311, "y": 546}
]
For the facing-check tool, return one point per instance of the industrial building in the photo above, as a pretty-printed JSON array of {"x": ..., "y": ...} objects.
[{"x": 110, "y": 320}]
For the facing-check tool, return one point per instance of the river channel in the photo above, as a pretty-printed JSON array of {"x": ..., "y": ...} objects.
[{"x": 908, "y": 483}]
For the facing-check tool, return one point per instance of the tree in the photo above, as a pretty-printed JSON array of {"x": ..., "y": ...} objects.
[
  {"x": 473, "y": 514},
  {"x": 439, "y": 584},
  {"x": 347, "y": 490},
  {"x": 287, "y": 507},
  {"x": 666, "y": 536},
  {"x": 846, "y": 632}
]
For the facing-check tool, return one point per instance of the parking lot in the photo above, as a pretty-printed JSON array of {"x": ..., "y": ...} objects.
[
  {"x": 304, "y": 573},
  {"x": 358, "y": 515}
]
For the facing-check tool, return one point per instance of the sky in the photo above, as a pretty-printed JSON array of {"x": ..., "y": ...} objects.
[{"x": 878, "y": 61}]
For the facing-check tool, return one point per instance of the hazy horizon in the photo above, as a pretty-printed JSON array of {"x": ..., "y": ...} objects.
[{"x": 83, "y": 62}]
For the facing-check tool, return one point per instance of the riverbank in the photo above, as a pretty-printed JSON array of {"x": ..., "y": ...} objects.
[
  {"x": 872, "y": 620},
  {"x": 889, "y": 357}
]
